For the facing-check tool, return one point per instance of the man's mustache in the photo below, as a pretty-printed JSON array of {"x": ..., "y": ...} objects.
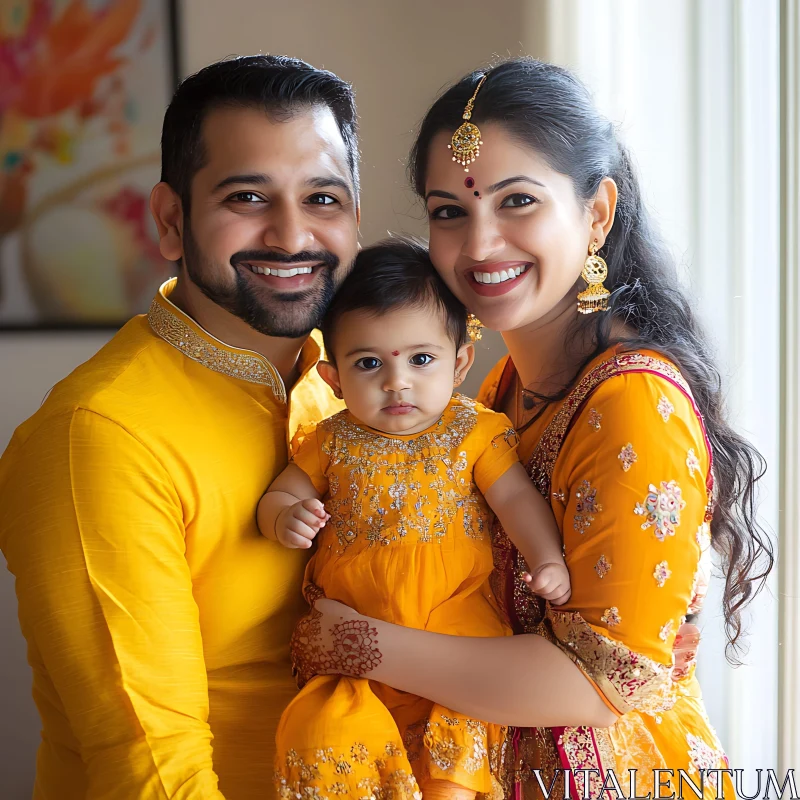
[{"x": 304, "y": 256}]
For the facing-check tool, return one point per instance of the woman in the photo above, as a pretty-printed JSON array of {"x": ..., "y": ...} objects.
[{"x": 611, "y": 386}]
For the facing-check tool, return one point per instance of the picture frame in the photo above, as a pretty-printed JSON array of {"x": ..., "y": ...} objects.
[{"x": 83, "y": 89}]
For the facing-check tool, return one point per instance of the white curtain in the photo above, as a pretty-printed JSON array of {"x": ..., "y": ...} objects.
[{"x": 696, "y": 90}]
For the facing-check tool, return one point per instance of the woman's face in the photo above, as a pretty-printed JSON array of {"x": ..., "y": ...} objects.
[{"x": 510, "y": 237}]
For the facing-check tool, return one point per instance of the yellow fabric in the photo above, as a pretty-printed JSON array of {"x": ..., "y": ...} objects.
[
  {"x": 157, "y": 618},
  {"x": 408, "y": 542},
  {"x": 629, "y": 494}
]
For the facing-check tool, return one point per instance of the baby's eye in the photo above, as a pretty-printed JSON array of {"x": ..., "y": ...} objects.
[
  {"x": 420, "y": 359},
  {"x": 368, "y": 363}
]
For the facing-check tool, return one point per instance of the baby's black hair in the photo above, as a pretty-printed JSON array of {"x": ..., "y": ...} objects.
[{"x": 392, "y": 274}]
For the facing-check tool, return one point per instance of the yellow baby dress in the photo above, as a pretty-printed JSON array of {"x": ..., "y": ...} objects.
[{"x": 408, "y": 542}]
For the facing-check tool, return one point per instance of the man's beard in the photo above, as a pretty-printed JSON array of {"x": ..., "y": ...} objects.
[{"x": 291, "y": 314}]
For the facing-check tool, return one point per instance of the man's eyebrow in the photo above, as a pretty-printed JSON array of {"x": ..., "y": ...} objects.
[
  {"x": 253, "y": 179},
  {"x": 327, "y": 181}
]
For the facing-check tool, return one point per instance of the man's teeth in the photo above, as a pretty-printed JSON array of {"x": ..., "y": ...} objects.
[
  {"x": 499, "y": 277},
  {"x": 283, "y": 273}
]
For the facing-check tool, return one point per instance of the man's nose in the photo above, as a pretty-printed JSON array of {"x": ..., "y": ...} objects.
[{"x": 288, "y": 229}]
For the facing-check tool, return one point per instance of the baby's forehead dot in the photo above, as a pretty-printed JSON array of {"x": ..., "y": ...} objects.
[{"x": 395, "y": 352}]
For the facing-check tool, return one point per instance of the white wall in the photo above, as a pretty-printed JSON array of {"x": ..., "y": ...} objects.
[{"x": 399, "y": 56}]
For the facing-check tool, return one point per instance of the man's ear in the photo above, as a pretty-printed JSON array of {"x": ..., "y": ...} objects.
[
  {"x": 165, "y": 206},
  {"x": 465, "y": 358},
  {"x": 330, "y": 375}
]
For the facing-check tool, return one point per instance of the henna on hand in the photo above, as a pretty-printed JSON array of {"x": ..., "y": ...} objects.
[{"x": 325, "y": 644}]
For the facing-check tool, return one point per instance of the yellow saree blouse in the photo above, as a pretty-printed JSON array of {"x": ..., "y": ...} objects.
[
  {"x": 626, "y": 465},
  {"x": 409, "y": 542},
  {"x": 157, "y": 617}
]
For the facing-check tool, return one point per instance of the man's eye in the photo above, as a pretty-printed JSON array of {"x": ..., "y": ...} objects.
[
  {"x": 447, "y": 212},
  {"x": 420, "y": 359},
  {"x": 247, "y": 197},
  {"x": 322, "y": 200},
  {"x": 368, "y": 363}
]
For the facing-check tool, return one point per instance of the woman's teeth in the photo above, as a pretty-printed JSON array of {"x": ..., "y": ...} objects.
[
  {"x": 283, "y": 273},
  {"x": 500, "y": 277}
]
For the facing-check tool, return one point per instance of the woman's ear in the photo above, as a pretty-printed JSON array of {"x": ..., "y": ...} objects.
[
  {"x": 603, "y": 210},
  {"x": 330, "y": 375},
  {"x": 465, "y": 358}
]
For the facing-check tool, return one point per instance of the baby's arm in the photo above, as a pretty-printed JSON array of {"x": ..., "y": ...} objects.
[
  {"x": 529, "y": 523},
  {"x": 291, "y": 511}
]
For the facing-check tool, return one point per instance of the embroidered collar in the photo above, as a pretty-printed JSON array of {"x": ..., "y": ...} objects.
[{"x": 184, "y": 334}]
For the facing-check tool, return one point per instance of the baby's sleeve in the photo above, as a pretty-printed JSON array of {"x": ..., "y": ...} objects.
[
  {"x": 307, "y": 455},
  {"x": 497, "y": 440}
]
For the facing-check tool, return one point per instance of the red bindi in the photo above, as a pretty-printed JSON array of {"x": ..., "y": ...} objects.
[
  {"x": 469, "y": 183},
  {"x": 395, "y": 352}
]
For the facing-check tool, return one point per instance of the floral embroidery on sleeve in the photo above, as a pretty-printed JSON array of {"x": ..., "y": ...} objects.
[
  {"x": 665, "y": 408},
  {"x": 611, "y": 617},
  {"x": 586, "y": 507},
  {"x": 662, "y": 509},
  {"x": 692, "y": 461},
  {"x": 602, "y": 567},
  {"x": 627, "y": 457},
  {"x": 666, "y": 631},
  {"x": 661, "y": 573},
  {"x": 594, "y": 419},
  {"x": 704, "y": 757}
]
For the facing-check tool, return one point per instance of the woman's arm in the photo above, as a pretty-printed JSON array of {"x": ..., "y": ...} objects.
[{"x": 517, "y": 680}]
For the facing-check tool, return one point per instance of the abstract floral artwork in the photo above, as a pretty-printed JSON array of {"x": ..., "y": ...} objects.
[{"x": 83, "y": 89}]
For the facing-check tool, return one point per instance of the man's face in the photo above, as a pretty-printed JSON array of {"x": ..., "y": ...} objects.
[{"x": 273, "y": 224}]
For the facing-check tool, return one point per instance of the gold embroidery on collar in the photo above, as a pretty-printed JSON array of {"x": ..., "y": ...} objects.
[{"x": 244, "y": 366}]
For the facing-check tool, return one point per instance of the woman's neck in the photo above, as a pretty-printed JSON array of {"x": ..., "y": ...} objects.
[{"x": 548, "y": 352}]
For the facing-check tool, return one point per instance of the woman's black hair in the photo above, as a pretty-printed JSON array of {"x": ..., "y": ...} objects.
[
  {"x": 546, "y": 108},
  {"x": 392, "y": 274}
]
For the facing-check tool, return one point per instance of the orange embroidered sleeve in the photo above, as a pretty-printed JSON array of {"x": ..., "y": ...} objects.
[
  {"x": 306, "y": 454},
  {"x": 631, "y": 485},
  {"x": 497, "y": 434}
]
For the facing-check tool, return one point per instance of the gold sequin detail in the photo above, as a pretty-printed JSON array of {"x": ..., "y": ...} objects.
[
  {"x": 611, "y": 617},
  {"x": 692, "y": 462},
  {"x": 661, "y": 573},
  {"x": 243, "y": 365},
  {"x": 666, "y": 631},
  {"x": 627, "y": 457},
  {"x": 595, "y": 418},
  {"x": 586, "y": 506},
  {"x": 665, "y": 408},
  {"x": 602, "y": 567}
]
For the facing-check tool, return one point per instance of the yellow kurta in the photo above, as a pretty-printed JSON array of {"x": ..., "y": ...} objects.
[
  {"x": 626, "y": 465},
  {"x": 409, "y": 542},
  {"x": 157, "y": 617}
]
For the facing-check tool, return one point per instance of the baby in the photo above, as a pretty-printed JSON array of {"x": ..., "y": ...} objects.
[{"x": 399, "y": 491}]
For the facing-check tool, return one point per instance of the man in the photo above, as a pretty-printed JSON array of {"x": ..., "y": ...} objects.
[{"x": 157, "y": 618}]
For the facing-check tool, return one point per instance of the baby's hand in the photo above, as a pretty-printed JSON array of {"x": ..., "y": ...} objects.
[
  {"x": 551, "y": 581},
  {"x": 297, "y": 525}
]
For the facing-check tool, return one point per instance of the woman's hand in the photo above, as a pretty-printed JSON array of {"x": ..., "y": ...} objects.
[{"x": 333, "y": 639}]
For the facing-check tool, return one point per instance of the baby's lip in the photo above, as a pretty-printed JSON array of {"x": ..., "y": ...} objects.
[{"x": 400, "y": 405}]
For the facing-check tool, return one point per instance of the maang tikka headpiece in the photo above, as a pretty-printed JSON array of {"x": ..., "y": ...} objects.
[{"x": 466, "y": 142}]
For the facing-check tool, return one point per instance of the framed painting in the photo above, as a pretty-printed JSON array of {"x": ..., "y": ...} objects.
[{"x": 83, "y": 89}]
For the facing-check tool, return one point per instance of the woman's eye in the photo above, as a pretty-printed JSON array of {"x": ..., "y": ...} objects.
[
  {"x": 447, "y": 212},
  {"x": 322, "y": 200},
  {"x": 420, "y": 359},
  {"x": 368, "y": 363},
  {"x": 519, "y": 200}
]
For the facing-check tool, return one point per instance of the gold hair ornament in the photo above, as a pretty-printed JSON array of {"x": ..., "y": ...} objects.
[
  {"x": 595, "y": 296},
  {"x": 466, "y": 142},
  {"x": 474, "y": 328}
]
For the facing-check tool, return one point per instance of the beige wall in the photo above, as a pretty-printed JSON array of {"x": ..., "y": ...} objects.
[{"x": 399, "y": 56}]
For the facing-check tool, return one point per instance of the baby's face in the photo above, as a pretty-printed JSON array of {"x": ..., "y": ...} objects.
[{"x": 396, "y": 371}]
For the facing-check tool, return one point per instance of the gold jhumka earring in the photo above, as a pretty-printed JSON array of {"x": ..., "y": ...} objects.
[
  {"x": 466, "y": 142},
  {"x": 474, "y": 328},
  {"x": 595, "y": 296}
]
